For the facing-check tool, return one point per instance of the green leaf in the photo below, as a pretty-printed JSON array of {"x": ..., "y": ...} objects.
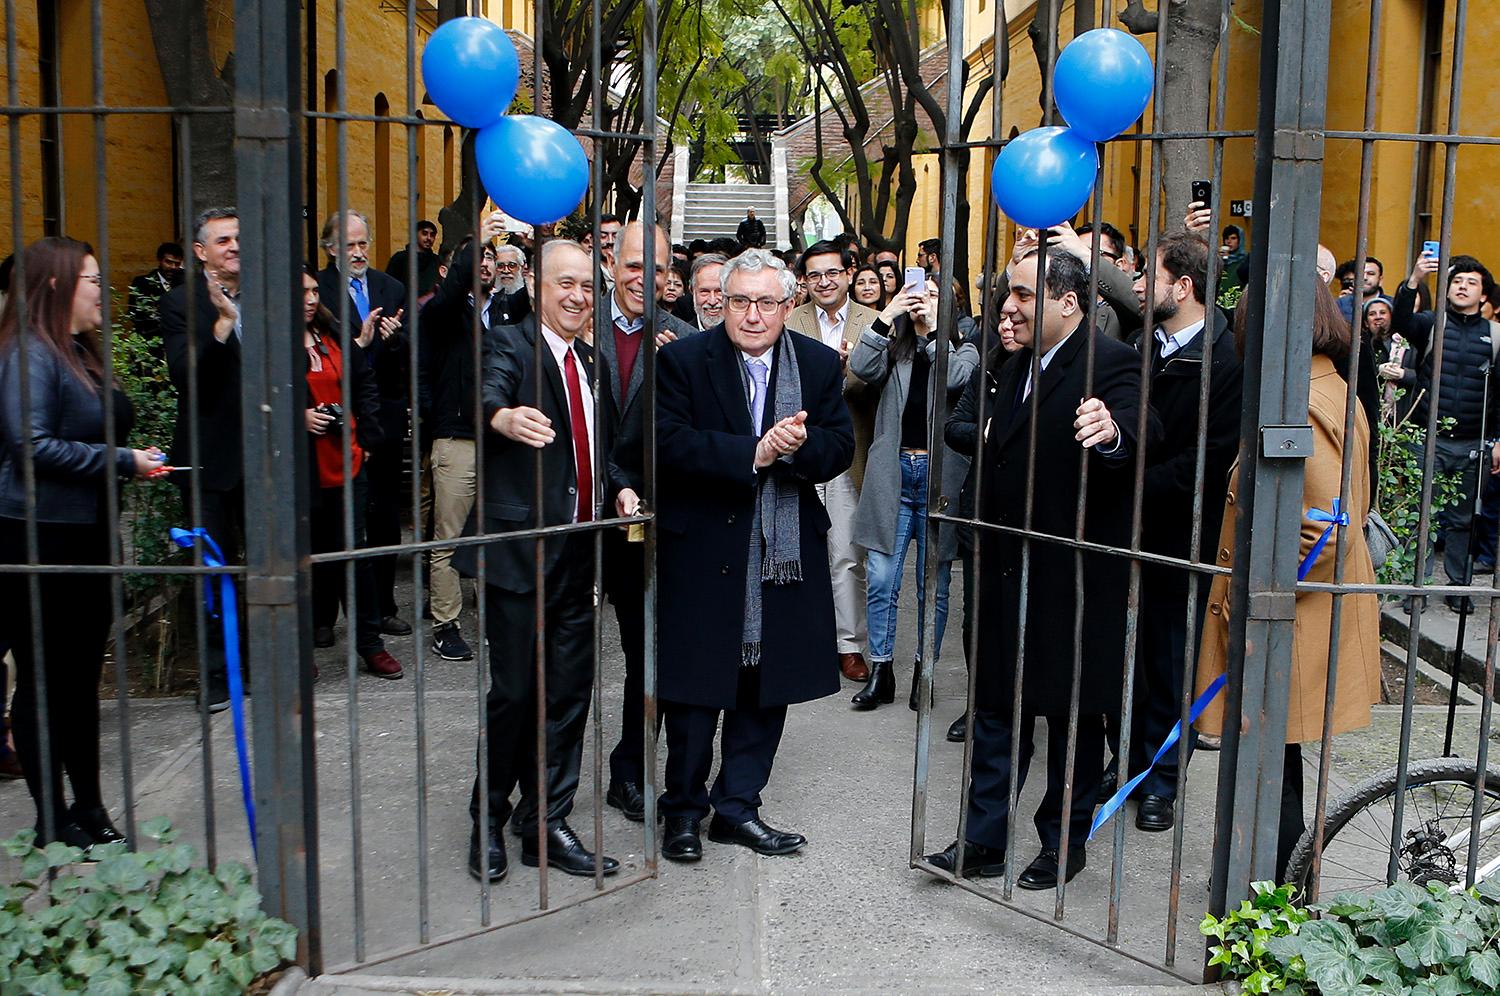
[
  {"x": 1484, "y": 967},
  {"x": 1428, "y": 944},
  {"x": 1329, "y": 953},
  {"x": 122, "y": 872},
  {"x": 18, "y": 845},
  {"x": 281, "y": 935}
]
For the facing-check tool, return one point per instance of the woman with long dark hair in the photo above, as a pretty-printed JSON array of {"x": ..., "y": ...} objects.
[
  {"x": 71, "y": 462},
  {"x": 867, "y": 288},
  {"x": 898, "y": 354},
  {"x": 329, "y": 425}
]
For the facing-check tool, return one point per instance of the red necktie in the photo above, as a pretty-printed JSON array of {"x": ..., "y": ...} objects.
[{"x": 580, "y": 432}]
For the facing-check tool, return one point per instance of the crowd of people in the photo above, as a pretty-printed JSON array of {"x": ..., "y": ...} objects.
[{"x": 792, "y": 482}]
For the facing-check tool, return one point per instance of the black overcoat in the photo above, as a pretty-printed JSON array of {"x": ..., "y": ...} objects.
[
  {"x": 1051, "y": 587},
  {"x": 215, "y": 366},
  {"x": 706, "y": 491}
]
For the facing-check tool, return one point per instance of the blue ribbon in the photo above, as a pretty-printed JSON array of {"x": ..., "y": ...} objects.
[
  {"x": 1335, "y": 518},
  {"x": 227, "y": 609}
]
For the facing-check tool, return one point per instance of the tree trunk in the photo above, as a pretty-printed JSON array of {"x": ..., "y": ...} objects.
[
  {"x": 1194, "y": 28},
  {"x": 462, "y": 216},
  {"x": 179, "y": 32}
]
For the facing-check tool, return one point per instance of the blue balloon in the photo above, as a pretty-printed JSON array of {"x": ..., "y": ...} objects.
[
  {"x": 471, "y": 71},
  {"x": 1042, "y": 177},
  {"x": 533, "y": 168},
  {"x": 1102, "y": 83}
]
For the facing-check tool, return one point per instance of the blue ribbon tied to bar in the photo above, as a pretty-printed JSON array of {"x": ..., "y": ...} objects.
[
  {"x": 226, "y": 608},
  {"x": 1334, "y": 519}
]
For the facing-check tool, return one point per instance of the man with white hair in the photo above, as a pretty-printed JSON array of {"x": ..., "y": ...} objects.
[
  {"x": 708, "y": 294},
  {"x": 748, "y": 422}
]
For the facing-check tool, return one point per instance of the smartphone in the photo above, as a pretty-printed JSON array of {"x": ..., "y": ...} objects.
[
  {"x": 916, "y": 280},
  {"x": 1432, "y": 249},
  {"x": 1203, "y": 192}
]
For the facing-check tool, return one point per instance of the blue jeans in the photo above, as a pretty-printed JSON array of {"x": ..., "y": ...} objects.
[{"x": 883, "y": 571}]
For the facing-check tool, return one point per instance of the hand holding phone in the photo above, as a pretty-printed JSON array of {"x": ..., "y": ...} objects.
[{"x": 1203, "y": 192}]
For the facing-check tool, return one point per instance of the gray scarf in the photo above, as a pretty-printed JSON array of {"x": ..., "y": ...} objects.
[{"x": 775, "y": 531}]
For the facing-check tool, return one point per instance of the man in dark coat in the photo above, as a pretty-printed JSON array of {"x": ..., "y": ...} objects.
[
  {"x": 752, "y": 231},
  {"x": 622, "y": 345},
  {"x": 427, "y": 260},
  {"x": 371, "y": 292},
  {"x": 749, "y": 420},
  {"x": 1105, "y": 425},
  {"x": 1179, "y": 345},
  {"x": 147, "y": 290},
  {"x": 562, "y": 426},
  {"x": 202, "y": 344}
]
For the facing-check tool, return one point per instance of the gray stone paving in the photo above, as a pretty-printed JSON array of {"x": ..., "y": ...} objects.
[{"x": 846, "y": 915}]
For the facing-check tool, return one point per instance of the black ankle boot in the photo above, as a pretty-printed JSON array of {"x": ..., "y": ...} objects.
[
  {"x": 916, "y": 671},
  {"x": 879, "y": 690}
]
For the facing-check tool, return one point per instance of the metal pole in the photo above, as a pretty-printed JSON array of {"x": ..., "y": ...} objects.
[{"x": 267, "y": 153}]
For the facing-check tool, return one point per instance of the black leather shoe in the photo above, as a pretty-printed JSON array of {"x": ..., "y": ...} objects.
[
  {"x": 565, "y": 852},
  {"x": 681, "y": 841},
  {"x": 1459, "y": 603},
  {"x": 394, "y": 625},
  {"x": 879, "y": 690},
  {"x": 323, "y": 637},
  {"x": 1042, "y": 872},
  {"x": 495, "y": 865},
  {"x": 754, "y": 834},
  {"x": 1110, "y": 780},
  {"x": 979, "y": 861},
  {"x": 627, "y": 798},
  {"x": 95, "y": 822},
  {"x": 959, "y": 731},
  {"x": 1154, "y": 814},
  {"x": 916, "y": 670}
]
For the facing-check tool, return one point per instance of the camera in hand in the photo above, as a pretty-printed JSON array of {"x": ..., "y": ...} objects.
[{"x": 334, "y": 411}]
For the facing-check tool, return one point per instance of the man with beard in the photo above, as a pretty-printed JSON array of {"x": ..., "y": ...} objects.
[
  {"x": 147, "y": 290},
  {"x": 510, "y": 303},
  {"x": 389, "y": 355},
  {"x": 621, "y": 345},
  {"x": 708, "y": 296},
  {"x": 446, "y": 379},
  {"x": 1187, "y": 334},
  {"x": 427, "y": 260}
]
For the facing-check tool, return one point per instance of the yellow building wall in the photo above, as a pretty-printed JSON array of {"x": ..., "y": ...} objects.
[
  {"x": 137, "y": 166},
  {"x": 1127, "y": 170}
]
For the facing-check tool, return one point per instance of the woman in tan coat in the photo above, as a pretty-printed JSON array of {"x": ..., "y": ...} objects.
[{"x": 1358, "y": 681}]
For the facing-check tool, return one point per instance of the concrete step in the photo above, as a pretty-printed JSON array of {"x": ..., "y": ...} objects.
[{"x": 368, "y": 985}]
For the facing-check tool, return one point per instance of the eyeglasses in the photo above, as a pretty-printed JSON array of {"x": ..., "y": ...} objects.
[
  {"x": 739, "y": 304},
  {"x": 507, "y": 266},
  {"x": 818, "y": 276}
]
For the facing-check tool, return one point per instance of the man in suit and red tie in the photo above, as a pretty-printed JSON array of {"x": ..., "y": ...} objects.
[
  {"x": 558, "y": 419},
  {"x": 749, "y": 422}
]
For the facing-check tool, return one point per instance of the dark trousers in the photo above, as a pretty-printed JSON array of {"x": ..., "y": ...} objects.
[
  {"x": 747, "y": 751},
  {"x": 75, "y": 616},
  {"x": 989, "y": 785},
  {"x": 1158, "y": 677},
  {"x": 510, "y": 707},
  {"x": 1293, "y": 826},
  {"x": 383, "y": 518},
  {"x": 1458, "y": 457},
  {"x": 1488, "y": 523},
  {"x": 624, "y": 566},
  {"x": 224, "y": 518},
  {"x": 326, "y": 524}
]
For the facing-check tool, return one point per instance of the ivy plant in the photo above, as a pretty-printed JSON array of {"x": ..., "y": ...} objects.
[
  {"x": 137, "y": 921},
  {"x": 1244, "y": 936}
]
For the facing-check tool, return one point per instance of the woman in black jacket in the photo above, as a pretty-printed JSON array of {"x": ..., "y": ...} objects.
[
  {"x": 329, "y": 425},
  {"x": 63, "y": 419}
]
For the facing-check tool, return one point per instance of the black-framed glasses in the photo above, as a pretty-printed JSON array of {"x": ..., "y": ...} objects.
[{"x": 739, "y": 304}]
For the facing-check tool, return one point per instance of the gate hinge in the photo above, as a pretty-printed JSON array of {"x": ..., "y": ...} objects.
[
  {"x": 1272, "y": 605},
  {"x": 1286, "y": 442},
  {"x": 262, "y": 122},
  {"x": 1298, "y": 145}
]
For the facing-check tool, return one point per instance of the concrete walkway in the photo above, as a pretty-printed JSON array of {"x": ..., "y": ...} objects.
[{"x": 847, "y": 914}]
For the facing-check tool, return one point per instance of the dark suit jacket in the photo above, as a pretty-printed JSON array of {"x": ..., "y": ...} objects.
[
  {"x": 216, "y": 372},
  {"x": 628, "y": 408},
  {"x": 1167, "y": 507},
  {"x": 707, "y": 487},
  {"x": 1051, "y": 588},
  {"x": 144, "y": 304},
  {"x": 389, "y": 358},
  {"x": 510, "y": 379},
  {"x": 751, "y": 232}
]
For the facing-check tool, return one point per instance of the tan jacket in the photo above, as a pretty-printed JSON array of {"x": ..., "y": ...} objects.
[
  {"x": 1359, "y": 632},
  {"x": 861, "y": 397}
]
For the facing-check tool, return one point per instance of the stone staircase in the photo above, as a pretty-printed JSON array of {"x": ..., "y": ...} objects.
[{"x": 715, "y": 210}]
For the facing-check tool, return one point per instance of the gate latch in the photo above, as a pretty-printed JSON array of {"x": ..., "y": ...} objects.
[{"x": 1286, "y": 442}]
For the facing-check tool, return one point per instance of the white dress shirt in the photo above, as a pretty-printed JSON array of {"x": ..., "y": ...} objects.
[
  {"x": 831, "y": 330},
  {"x": 1173, "y": 343},
  {"x": 560, "y": 347}
]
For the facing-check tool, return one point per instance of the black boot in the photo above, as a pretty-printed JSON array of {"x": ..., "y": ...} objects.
[
  {"x": 916, "y": 671},
  {"x": 879, "y": 690}
]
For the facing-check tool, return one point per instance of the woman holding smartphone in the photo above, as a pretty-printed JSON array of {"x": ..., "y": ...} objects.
[{"x": 71, "y": 464}]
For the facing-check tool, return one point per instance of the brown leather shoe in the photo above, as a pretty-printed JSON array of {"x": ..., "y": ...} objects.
[{"x": 854, "y": 666}]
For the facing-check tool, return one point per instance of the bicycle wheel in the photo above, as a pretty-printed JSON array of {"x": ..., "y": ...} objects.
[{"x": 1438, "y": 809}]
